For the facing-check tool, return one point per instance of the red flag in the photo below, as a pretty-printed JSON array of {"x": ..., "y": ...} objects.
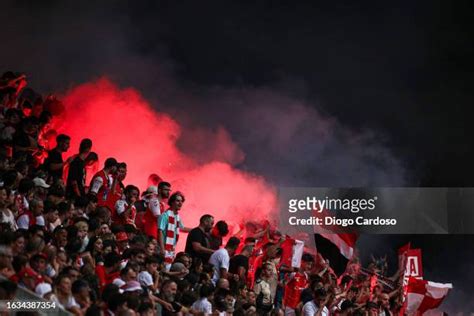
[{"x": 425, "y": 295}]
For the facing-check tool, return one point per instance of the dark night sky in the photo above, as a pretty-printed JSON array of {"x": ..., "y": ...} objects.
[{"x": 399, "y": 70}]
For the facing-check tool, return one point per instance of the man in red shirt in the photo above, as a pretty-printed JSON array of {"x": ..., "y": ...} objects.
[
  {"x": 117, "y": 188},
  {"x": 102, "y": 181},
  {"x": 296, "y": 283},
  {"x": 125, "y": 210},
  {"x": 108, "y": 272},
  {"x": 155, "y": 207}
]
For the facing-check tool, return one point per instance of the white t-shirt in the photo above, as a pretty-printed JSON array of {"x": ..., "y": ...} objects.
[
  {"x": 24, "y": 221},
  {"x": 220, "y": 260},
  {"x": 71, "y": 302},
  {"x": 310, "y": 308},
  {"x": 7, "y": 217},
  {"x": 145, "y": 278},
  {"x": 203, "y": 305}
]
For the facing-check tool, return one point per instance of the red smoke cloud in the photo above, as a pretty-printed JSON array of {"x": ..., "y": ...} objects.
[{"x": 123, "y": 125}]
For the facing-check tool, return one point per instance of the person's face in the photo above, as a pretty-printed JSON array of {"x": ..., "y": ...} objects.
[
  {"x": 307, "y": 266},
  {"x": 82, "y": 233},
  {"x": 14, "y": 119},
  {"x": 61, "y": 238},
  {"x": 209, "y": 224},
  {"x": 229, "y": 301},
  {"x": 140, "y": 258},
  {"x": 177, "y": 203},
  {"x": 104, "y": 229},
  {"x": 84, "y": 293},
  {"x": 187, "y": 261},
  {"x": 384, "y": 300},
  {"x": 122, "y": 244},
  {"x": 152, "y": 267},
  {"x": 268, "y": 271},
  {"x": 3, "y": 197},
  {"x": 64, "y": 146},
  {"x": 122, "y": 174},
  {"x": 38, "y": 209},
  {"x": 73, "y": 275},
  {"x": 99, "y": 245},
  {"x": 41, "y": 266},
  {"x": 351, "y": 295},
  {"x": 107, "y": 250},
  {"x": 169, "y": 292},
  {"x": 164, "y": 192},
  {"x": 61, "y": 259},
  {"x": 320, "y": 300},
  {"x": 148, "y": 312},
  {"x": 19, "y": 245},
  {"x": 52, "y": 216},
  {"x": 131, "y": 275},
  {"x": 150, "y": 249},
  {"x": 65, "y": 286},
  {"x": 132, "y": 195},
  {"x": 252, "y": 298}
]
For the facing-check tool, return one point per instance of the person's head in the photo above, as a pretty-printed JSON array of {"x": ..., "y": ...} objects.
[
  {"x": 150, "y": 248},
  {"x": 3, "y": 197},
  {"x": 151, "y": 264},
  {"x": 176, "y": 201},
  {"x": 80, "y": 289},
  {"x": 221, "y": 229},
  {"x": 51, "y": 213},
  {"x": 372, "y": 309},
  {"x": 128, "y": 273},
  {"x": 307, "y": 262},
  {"x": 110, "y": 165},
  {"x": 82, "y": 229},
  {"x": 63, "y": 142},
  {"x": 112, "y": 261},
  {"x": 105, "y": 229},
  {"x": 117, "y": 303},
  {"x": 38, "y": 263},
  {"x": 138, "y": 255},
  {"x": 247, "y": 250},
  {"x": 63, "y": 284},
  {"x": 36, "y": 207},
  {"x": 206, "y": 290},
  {"x": 232, "y": 245},
  {"x": 121, "y": 172},
  {"x": 223, "y": 284},
  {"x": 146, "y": 309},
  {"x": 164, "y": 189},
  {"x": 352, "y": 293},
  {"x": 85, "y": 147},
  {"x": 169, "y": 289},
  {"x": 26, "y": 187},
  {"x": 131, "y": 193},
  {"x": 197, "y": 265},
  {"x": 96, "y": 245},
  {"x": 91, "y": 159},
  {"x": 320, "y": 295},
  {"x": 251, "y": 297},
  {"x": 347, "y": 307},
  {"x": 206, "y": 222},
  {"x": 18, "y": 243},
  {"x": 384, "y": 300},
  {"x": 267, "y": 270}
]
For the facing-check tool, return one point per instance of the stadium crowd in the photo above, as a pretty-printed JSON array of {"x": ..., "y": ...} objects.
[{"x": 103, "y": 248}]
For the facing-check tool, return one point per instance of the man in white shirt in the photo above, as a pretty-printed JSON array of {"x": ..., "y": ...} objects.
[
  {"x": 220, "y": 259},
  {"x": 317, "y": 306}
]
